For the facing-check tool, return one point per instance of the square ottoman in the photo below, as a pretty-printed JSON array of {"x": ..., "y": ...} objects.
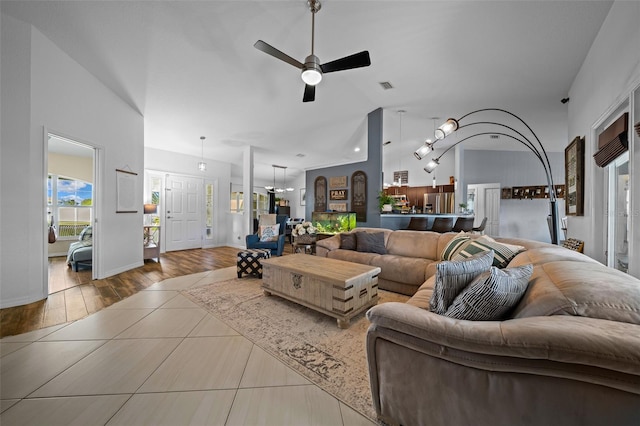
[{"x": 249, "y": 261}]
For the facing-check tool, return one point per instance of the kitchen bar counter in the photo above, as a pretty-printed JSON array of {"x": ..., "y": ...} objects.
[{"x": 397, "y": 221}]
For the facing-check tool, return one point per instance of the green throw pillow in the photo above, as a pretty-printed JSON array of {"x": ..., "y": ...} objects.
[
  {"x": 503, "y": 253},
  {"x": 454, "y": 245}
]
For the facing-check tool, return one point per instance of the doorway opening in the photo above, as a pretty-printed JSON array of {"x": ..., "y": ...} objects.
[
  {"x": 619, "y": 219},
  {"x": 70, "y": 208}
]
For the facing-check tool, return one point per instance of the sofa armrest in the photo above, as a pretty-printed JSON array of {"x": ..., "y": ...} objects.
[
  {"x": 251, "y": 239},
  {"x": 280, "y": 249},
  {"x": 581, "y": 341},
  {"x": 429, "y": 369},
  {"x": 326, "y": 245}
]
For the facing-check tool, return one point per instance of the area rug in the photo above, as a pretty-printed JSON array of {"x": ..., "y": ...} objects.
[{"x": 307, "y": 341}]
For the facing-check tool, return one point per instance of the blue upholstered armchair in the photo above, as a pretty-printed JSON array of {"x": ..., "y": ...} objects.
[{"x": 276, "y": 247}]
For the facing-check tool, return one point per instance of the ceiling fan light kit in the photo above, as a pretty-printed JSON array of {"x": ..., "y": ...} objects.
[{"x": 313, "y": 69}]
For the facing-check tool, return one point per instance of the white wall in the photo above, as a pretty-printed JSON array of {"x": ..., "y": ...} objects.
[
  {"x": 607, "y": 76},
  {"x": 43, "y": 88},
  {"x": 217, "y": 171},
  {"x": 518, "y": 218}
]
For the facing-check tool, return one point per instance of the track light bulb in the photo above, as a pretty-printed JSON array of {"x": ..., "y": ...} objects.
[
  {"x": 449, "y": 126},
  {"x": 431, "y": 165}
]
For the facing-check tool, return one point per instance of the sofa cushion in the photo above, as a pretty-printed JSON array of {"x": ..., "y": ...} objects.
[
  {"x": 269, "y": 232},
  {"x": 503, "y": 253},
  {"x": 454, "y": 245},
  {"x": 453, "y": 276},
  {"x": 370, "y": 242},
  {"x": 541, "y": 255},
  {"x": 422, "y": 297},
  {"x": 348, "y": 241},
  {"x": 586, "y": 289},
  {"x": 422, "y": 244},
  {"x": 408, "y": 270},
  {"x": 353, "y": 256},
  {"x": 491, "y": 295}
]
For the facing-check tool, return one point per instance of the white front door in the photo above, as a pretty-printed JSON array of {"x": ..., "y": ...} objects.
[
  {"x": 486, "y": 204},
  {"x": 184, "y": 221}
]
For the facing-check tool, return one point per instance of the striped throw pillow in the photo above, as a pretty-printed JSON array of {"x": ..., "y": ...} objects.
[
  {"x": 503, "y": 253},
  {"x": 453, "y": 276},
  {"x": 491, "y": 295},
  {"x": 452, "y": 247}
]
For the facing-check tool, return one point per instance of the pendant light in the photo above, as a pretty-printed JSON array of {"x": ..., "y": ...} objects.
[
  {"x": 272, "y": 187},
  {"x": 399, "y": 181},
  {"x": 202, "y": 166},
  {"x": 286, "y": 188}
]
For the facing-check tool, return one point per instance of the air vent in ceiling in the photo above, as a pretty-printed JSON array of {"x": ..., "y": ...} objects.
[
  {"x": 494, "y": 136},
  {"x": 299, "y": 155},
  {"x": 386, "y": 85}
]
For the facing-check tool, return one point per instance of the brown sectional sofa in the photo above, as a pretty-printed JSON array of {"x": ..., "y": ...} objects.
[{"x": 568, "y": 354}]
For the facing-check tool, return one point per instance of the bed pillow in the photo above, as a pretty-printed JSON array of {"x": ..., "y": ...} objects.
[
  {"x": 269, "y": 232},
  {"x": 453, "y": 276},
  {"x": 370, "y": 242},
  {"x": 492, "y": 295},
  {"x": 348, "y": 241},
  {"x": 454, "y": 245},
  {"x": 503, "y": 253}
]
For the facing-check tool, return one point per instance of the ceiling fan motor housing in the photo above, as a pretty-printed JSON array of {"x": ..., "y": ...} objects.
[{"x": 312, "y": 73}]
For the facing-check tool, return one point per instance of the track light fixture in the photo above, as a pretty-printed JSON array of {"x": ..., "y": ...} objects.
[
  {"x": 449, "y": 126},
  {"x": 526, "y": 136}
]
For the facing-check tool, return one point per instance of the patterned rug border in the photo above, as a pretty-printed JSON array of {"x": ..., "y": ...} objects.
[{"x": 312, "y": 344}]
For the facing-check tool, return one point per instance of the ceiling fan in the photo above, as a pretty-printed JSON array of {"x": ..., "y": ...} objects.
[{"x": 312, "y": 69}]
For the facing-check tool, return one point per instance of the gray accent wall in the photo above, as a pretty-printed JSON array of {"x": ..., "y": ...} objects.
[{"x": 372, "y": 167}]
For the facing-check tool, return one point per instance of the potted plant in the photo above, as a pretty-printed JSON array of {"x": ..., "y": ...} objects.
[
  {"x": 385, "y": 202},
  {"x": 463, "y": 207}
]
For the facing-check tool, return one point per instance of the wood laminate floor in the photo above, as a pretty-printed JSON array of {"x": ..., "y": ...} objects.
[{"x": 74, "y": 295}]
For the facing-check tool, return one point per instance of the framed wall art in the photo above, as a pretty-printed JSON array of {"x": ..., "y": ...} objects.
[
  {"x": 338, "y": 182},
  {"x": 574, "y": 177},
  {"x": 320, "y": 191},
  {"x": 126, "y": 201},
  {"x": 338, "y": 194},
  {"x": 338, "y": 207}
]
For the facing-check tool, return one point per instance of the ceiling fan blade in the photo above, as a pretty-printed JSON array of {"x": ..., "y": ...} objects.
[
  {"x": 357, "y": 60},
  {"x": 270, "y": 50},
  {"x": 309, "y": 93}
]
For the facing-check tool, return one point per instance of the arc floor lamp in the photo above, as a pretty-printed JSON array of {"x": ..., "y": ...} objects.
[{"x": 452, "y": 125}]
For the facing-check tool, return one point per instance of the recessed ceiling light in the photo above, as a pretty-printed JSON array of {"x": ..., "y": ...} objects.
[{"x": 357, "y": 149}]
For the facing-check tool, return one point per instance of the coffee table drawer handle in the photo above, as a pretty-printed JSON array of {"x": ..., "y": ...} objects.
[
  {"x": 297, "y": 280},
  {"x": 363, "y": 293}
]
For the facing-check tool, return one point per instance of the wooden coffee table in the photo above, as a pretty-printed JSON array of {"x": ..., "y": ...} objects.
[{"x": 336, "y": 288}]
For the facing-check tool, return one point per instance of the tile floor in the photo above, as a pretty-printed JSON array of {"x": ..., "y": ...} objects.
[{"x": 156, "y": 358}]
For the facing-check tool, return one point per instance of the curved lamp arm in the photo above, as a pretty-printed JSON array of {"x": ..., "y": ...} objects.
[{"x": 552, "y": 193}]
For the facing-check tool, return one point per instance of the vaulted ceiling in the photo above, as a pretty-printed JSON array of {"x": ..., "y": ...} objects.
[{"x": 191, "y": 69}]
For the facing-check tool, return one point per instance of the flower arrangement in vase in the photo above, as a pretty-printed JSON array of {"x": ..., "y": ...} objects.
[{"x": 304, "y": 233}]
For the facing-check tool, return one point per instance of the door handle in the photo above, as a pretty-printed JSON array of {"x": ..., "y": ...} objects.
[{"x": 169, "y": 217}]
